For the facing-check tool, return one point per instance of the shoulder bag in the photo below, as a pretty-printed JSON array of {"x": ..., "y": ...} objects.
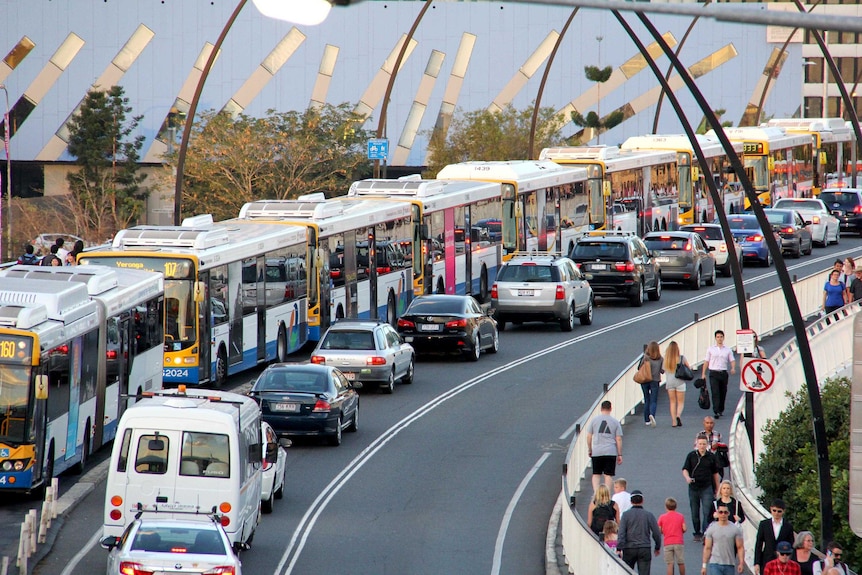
[
  {"x": 683, "y": 371},
  {"x": 644, "y": 372}
]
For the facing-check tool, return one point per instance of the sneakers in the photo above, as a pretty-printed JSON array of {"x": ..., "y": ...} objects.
[
  {"x": 698, "y": 538},
  {"x": 647, "y": 423},
  {"x": 651, "y": 421}
]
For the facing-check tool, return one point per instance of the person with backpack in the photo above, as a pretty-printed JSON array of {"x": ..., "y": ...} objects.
[
  {"x": 28, "y": 258},
  {"x": 832, "y": 562},
  {"x": 602, "y": 508}
]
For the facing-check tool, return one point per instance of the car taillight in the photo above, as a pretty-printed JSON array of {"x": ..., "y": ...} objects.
[
  {"x": 225, "y": 520},
  {"x": 815, "y": 219},
  {"x": 857, "y": 210},
  {"x": 111, "y": 354},
  {"x": 405, "y": 323},
  {"x": 624, "y": 266},
  {"x": 456, "y": 323},
  {"x": 384, "y": 270},
  {"x": 375, "y": 360},
  {"x": 754, "y": 238},
  {"x": 722, "y": 247},
  {"x": 494, "y": 291},
  {"x": 130, "y": 568},
  {"x": 318, "y": 359},
  {"x": 561, "y": 293},
  {"x": 116, "y": 514},
  {"x": 787, "y": 230},
  {"x": 688, "y": 246},
  {"x": 321, "y": 406},
  {"x": 221, "y": 570},
  {"x": 266, "y": 464}
]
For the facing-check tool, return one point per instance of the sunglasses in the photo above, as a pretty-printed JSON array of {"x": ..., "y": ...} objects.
[
  {"x": 785, "y": 554},
  {"x": 723, "y": 512}
]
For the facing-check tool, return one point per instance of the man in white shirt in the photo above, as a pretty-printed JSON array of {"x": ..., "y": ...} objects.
[
  {"x": 719, "y": 361},
  {"x": 621, "y": 497}
]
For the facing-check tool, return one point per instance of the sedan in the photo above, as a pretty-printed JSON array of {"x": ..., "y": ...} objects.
[
  {"x": 301, "y": 399},
  {"x": 366, "y": 350},
  {"x": 796, "y": 240},
  {"x": 273, "y": 467},
  {"x": 714, "y": 237},
  {"x": 684, "y": 257},
  {"x": 154, "y": 545},
  {"x": 449, "y": 323},
  {"x": 746, "y": 230},
  {"x": 824, "y": 227}
]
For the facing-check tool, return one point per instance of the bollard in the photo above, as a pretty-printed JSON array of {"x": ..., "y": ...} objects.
[
  {"x": 4, "y": 566},
  {"x": 55, "y": 489},
  {"x": 34, "y": 531},
  {"x": 22, "y": 548},
  {"x": 44, "y": 522}
]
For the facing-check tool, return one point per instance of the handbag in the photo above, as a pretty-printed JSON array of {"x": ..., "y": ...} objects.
[
  {"x": 644, "y": 372},
  {"x": 703, "y": 398},
  {"x": 683, "y": 372}
]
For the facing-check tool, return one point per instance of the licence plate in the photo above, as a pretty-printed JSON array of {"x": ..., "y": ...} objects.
[
  {"x": 349, "y": 376},
  {"x": 527, "y": 292},
  {"x": 599, "y": 266},
  {"x": 662, "y": 259},
  {"x": 429, "y": 327},
  {"x": 289, "y": 407}
]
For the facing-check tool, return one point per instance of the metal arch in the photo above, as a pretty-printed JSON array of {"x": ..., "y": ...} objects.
[
  {"x": 538, "y": 101},
  {"x": 664, "y": 85}
]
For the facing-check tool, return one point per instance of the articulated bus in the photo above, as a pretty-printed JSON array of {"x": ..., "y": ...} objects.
[
  {"x": 695, "y": 201},
  {"x": 73, "y": 342},
  {"x": 450, "y": 220},
  {"x": 833, "y": 141},
  {"x": 544, "y": 205},
  {"x": 628, "y": 191},
  {"x": 236, "y": 295},
  {"x": 344, "y": 238},
  {"x": 779, "y": 164}
]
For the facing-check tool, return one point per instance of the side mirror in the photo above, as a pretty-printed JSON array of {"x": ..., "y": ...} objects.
[
  {"x": 239, "y": 547},
  {"x": 807, "y": 222},
  {"x": 710, "y": 248},
  {"x": 285, "y": 442},
  {"x": 109, "y": 542},
  {"x": 356, "y": 384}
]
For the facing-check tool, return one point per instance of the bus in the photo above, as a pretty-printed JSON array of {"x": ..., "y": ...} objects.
[
  {"x": 544, "y": 205},
  {"x": 779, "y": 164},
  {"x": 73, "y": 342},
  {"x": 629, "y": 191},
  {"x": 451, "y": 219},
  {"x": 833, "y": 141},
  {"x": 695, "y": 201},
  {"x": 344, "y": 238},
  {"x": 235, "y": 295}
]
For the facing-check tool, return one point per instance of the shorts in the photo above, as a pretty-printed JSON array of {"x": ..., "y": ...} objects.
[
  {"x": 675, "y": 385},
  {"x": 604, "y": 464},
  {"x": 674, "y": 554}
]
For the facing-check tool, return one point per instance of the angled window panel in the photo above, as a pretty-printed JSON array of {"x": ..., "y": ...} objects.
[
  {"x": 264, "y": 72},
  {"x": 374, "y": 93},
  {"x": 524, "y": 73},
  {"x": 24, "y": 46},
  {"x": 417, "y": 110},
  {"x": 773, "y": 68},
  {"x": 453, "y": 87},
  {"x": 110, "y": 77},
  {"x": 324, "y": 76}
]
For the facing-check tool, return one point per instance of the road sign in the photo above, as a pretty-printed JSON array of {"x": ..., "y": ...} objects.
[
  {"x": 378, "y": 149},
  {"x": 745, "y": 341},
  {"x": 757, "y": 375}
]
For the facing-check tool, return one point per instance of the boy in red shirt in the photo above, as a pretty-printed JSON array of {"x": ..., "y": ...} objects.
[{"x": 672, "y": 525}]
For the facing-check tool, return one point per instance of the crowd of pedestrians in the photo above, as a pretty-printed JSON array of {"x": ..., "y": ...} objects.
[{"x": 56, "y": 255}]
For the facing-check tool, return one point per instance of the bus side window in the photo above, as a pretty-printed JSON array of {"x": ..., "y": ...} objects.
[{"x": 124, "y": 451}]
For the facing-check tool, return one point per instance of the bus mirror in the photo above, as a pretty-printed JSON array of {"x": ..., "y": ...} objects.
[
  {"x": 41, "y": 387},
  {"x": 255, "y": 452},
  {"x": 423, "y": 231},
  {"x": 199, "y": 292}
]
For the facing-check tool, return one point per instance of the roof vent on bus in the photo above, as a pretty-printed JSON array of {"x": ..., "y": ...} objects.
[
  {"x": 198, "y": 221},
  {"x": 62, "y": 301},
  {"x": 413, "y": 188},
  {"x": 170, "y": 237},
  {"x": 22, "y": 317},
  {"x": 312, "y": 197},
  {"x": 580, "y": 153},
  {"x": 312, "y": 206},
  {"x": 98, "y": 279}
]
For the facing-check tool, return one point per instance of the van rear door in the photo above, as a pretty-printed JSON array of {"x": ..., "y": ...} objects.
[{"x": 152, "y": 469}]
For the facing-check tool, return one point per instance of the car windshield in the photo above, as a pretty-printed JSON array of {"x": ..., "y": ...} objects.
[
  {"x": 779, "y": 217},
  {"x": 799, "y": 204},
  {"x": 179, "y": 540},
  {"x": 844, "y": 199},
  {"x": 706, "y": 232},
  {"x": 743, "y": 223},
  {"x": 528, "y": 273},
  {"x": 287, "y": 380},
  {"x": 356, "y": 340},
  {"x": 436, "y": 306},
  {"x": 667, "y": 242},
  {"x": 609, "y": 250}
]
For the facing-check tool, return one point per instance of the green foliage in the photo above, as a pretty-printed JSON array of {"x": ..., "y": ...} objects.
[
  {"x": 788, "y": 467},
  {"x": 483, "y": 135},
  {"x": 592, "y": 119},
  {"x": 231, "y": 161},
  {"x": 106, "y": 192},
  {"x": 596, "y": 74}
]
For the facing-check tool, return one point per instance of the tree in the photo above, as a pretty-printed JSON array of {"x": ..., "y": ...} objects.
[
  {"x": 484, "y": 136},
  {"x": 106, "y": 192},
  {"x": 788, "y": 466},
  {"x": 232, "y": 161},
  {"x": 592, "y": 119}
]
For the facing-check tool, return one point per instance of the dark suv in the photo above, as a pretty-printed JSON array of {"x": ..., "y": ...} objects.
[
  {"x": 618, "y": 264},
  {"x": 846, "y": 205}
]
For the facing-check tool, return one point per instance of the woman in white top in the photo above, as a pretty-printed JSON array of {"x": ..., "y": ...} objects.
[{"x": 675, "y": 386}]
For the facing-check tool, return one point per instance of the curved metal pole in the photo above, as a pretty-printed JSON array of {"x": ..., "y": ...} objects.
[
  {"x": 670, "y": 70},
  {"x": 381, "y": 123},
  {"x": 797, "y": 320},
  {"x": 538, "y": 101},
  {"x": 190, "y": 116}
]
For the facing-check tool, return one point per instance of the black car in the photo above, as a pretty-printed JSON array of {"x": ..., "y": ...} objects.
[
  {"x": 449, "y": 323},
  {"x": 846, "y": 205},
  {"x": 618, "y": 264},
  {"x": 307, "y": 400}
]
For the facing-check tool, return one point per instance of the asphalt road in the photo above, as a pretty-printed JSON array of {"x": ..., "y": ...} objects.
[{"x": 459, "y": 472}]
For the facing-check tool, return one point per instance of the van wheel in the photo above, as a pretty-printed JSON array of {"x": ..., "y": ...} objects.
[
  {"x": 335, "y": 438},
  {"x": 221, "y": 368},
  {"x": 391, "y": 310},
  {"x": 279, "y": 493},
  {"x": 281, "y": 345},
  {"x": 266, "y": 506},
  {"x": 85, "y": 452}
]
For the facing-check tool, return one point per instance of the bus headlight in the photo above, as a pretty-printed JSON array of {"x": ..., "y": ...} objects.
[{"x": 7, "y": 466}]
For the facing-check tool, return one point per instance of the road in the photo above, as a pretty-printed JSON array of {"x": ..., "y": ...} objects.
[{"x": 459, "y": 472}]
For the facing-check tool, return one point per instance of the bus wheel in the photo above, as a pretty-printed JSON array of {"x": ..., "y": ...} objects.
[
  {"x": 703, "y": 217},
  {"x": 221, "y": 368},
  {"x": 483, "y": 285},
  {"x": 664, "y": 224},
  {"x": 281, "y": 345},
  {"x": 339, "y": 313},
  {"x": 391, "y": 310},
  {"x": 440, "y": 287},
  {"x": 85, "y": 451}
]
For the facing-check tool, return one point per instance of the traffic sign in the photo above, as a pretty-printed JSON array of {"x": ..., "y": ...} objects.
[
  {"x": 757, "y": 375},
  {"x": 378, "y": 149}
]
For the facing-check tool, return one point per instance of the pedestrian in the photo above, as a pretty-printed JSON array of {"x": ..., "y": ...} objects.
[
  {"x": 713, "y": 437},
  {"x": 28, "y": 258},
  {"x": 51, "y": 259},
  {"x": 726, "y": 499},
  {"x": 802, "y": 546},
  {"x": 637, "y": 526},
  {"x": 856, "y": 286},
  {"x": 675, "y": 386},
  {"x": 61, "y": 251},
  {"x": 700, "y": 472},
  {"x": 832, "y": 561},
  {"x": 834, "y": 293},
  {"x": 610, "y": 532},
  {"x": 672, "y": 525},
  {"x": 652, "y": 354},
  {"x": 769, "y": 533},
  {"x": 71, "y": 260},
  {"x": 719, "y": 360},
  {"x": 601, "y": 509},
  {"x": 723, "y": 547},
  {"x": 782, "y": 564},
  {"x": 605, "y": 446},
  {"x": 621, "y": 497},
  {"x": 848, "y": 272}
]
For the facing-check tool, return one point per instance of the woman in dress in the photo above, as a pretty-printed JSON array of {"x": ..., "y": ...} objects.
[
  {"x": 803, "y": 555},
  {"x": 602, "y": 505},
  {"x": 727, "y": 500},
  {"x": 675, "y": 386},
  {"x": 650, "y": 388},
  {"x": 834, "y": 293}
]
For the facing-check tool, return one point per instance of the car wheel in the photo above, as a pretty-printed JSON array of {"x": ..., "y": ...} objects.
[
  {"x": 695, "y": 281},
  {"x": 279, "y": 493},
  {"x": 389, "y": 386},
  {"x": 637, "y": 299},
  {"x": 797, "y": 253},
  {"x": 810, "y": 248},
  {"x": 474, "y": 353},
  {"x": 837, "y": 236},
  {"x": 335, "y": 438},
  {"x": 354, "y": 421},
  {"x": 266, "y": 506},
  {"x": 587, "y": 317},
  {"x": 768, "y": 262},
  {"x": 655, "y": 294},
  {"x": 711, "y": 280},
  {"x": 408, "y": 377},
  {"x": 568, "y": 323},
  {"x": 495, "y": 343},
  {"x": 825, "y": 240}
]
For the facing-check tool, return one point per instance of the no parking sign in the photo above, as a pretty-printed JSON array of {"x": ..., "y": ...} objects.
[{"x": 756, "y": 375}]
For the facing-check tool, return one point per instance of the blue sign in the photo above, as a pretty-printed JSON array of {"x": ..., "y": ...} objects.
[{"x": 378, "y": 149}]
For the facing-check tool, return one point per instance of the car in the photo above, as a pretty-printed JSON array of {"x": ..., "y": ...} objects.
[
  {"x": 846, "y": 205},
  {"x": 618, "y": 264},
  {"x": 307, "y": 400},
  {"x": 684, "y": 257},
  {"x": 367, "y": 350},
  {"x": 449, "y": 323},
  {"x": 714, "y": 237},
  {"x": 541, "y": 287},
  {"x": 824, "y": 227},
  {"x": 273, "y": 467},
  {"x": 795, "y": 237},
  {"x": 151, "y": 544},
  {"x": 43, "y": 242},
  {"x": 494, "y": 227},
  {"x": 746, "y": 231}
]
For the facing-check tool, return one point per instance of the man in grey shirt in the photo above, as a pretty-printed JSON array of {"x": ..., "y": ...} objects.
[
  {"x": 637, "y": 527},
  {"x": 605, "y": 445},
  {"x": 723, "y": 553}
]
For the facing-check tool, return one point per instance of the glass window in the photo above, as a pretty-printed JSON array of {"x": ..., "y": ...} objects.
[
  {"x": 205, "y": 454},
  {"x": 124, "y": 451},
  {"x": 14, "y": 389},
  {"x": 218, "y": 295},
  {"x": 179, "y": 540},
  {"x": 152, "y": 455}
]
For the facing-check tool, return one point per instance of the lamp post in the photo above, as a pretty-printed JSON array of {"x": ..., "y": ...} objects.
[{"x": 8, "y": 180}]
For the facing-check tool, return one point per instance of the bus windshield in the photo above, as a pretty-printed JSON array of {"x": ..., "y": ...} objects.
[
  {"x": 14, "y": 393},
  {"x": 758, "y": 169},
  {"x": 180, "y": 325}
]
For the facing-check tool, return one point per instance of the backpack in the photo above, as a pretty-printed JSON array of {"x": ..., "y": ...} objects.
[
  {"x": 602, "y": 513},
  {"x": 28, "y": 259}
]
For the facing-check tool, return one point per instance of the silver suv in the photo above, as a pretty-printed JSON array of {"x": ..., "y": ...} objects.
[{"x": 541, "y": 287}]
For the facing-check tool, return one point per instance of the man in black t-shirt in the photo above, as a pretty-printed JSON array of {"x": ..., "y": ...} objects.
[{"x": 700, "y": 471}]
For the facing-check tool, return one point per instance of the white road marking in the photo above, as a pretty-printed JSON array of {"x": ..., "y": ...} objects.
[{"x": 82, "y": 553}]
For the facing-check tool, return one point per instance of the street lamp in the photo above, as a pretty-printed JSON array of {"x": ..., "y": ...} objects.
[{"x": 8, "y": 180}]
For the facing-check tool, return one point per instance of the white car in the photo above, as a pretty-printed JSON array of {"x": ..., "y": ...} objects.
[
  {"x": 711, "y": 233},
  {"x": 274, "y": 464},
  {"x": 824, "y": 227}
]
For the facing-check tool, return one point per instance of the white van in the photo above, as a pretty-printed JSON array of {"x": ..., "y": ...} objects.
[{"x": 189, "y": 452}]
